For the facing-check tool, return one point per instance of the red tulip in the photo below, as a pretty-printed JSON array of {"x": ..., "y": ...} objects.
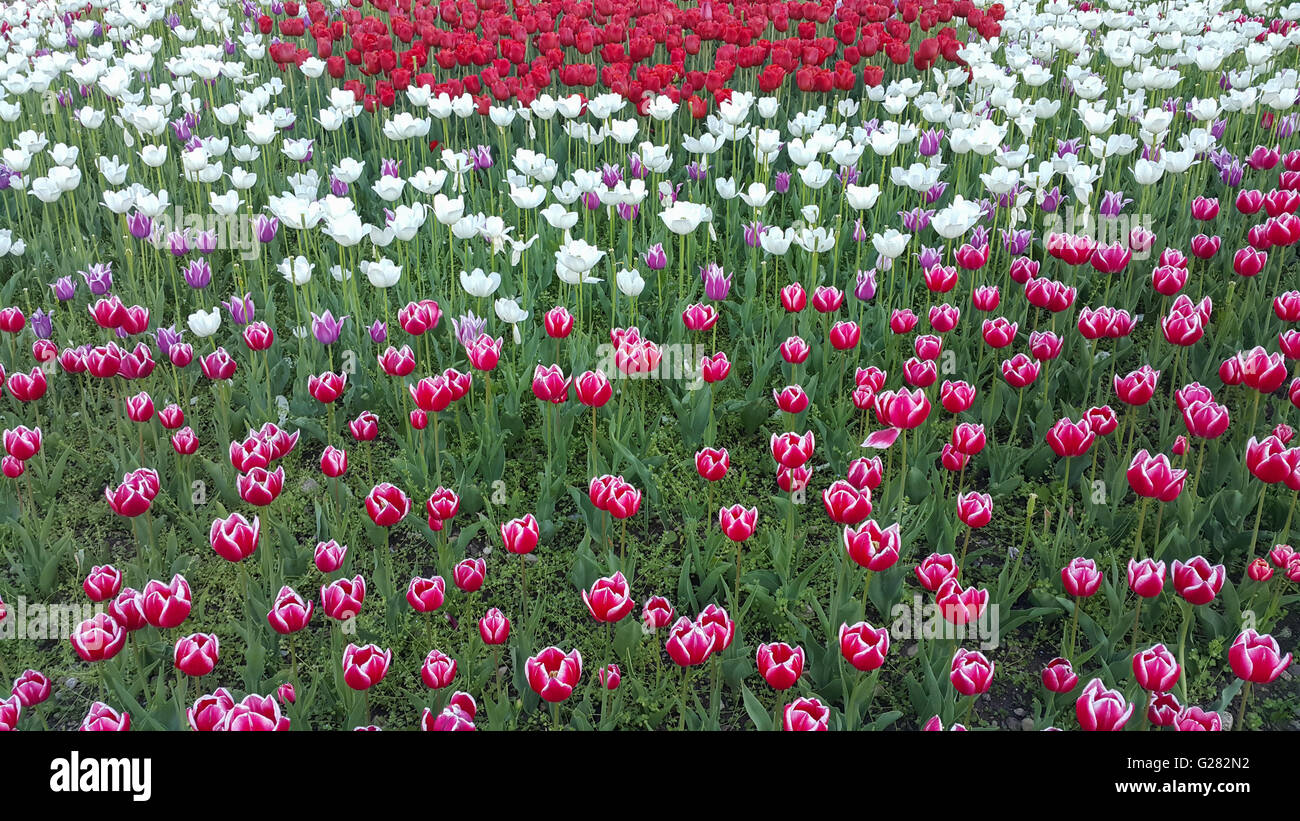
[
  {"x": 845, "y": 504},
  {"x": 593, "y": 389},
  {"x": 1081, "y": 577},
  {"x": 1069, "y": 439},
  {"x": 864, "y": 646},
  {"x": 805, "y": 714},
  {"x": 1146, "y": 578},
  {"x": 738, "y": 522},
  {"x": 234, "y": 538},
  {"x": 936, "y": 569},
  {"x": 102, "y": 583},
  {"x": 1197, "y": 581},
  {"x": 1155, "y": 669},
  {"x": 1153, "y": 477},
  {"x": 364, "y": 667},
  {"x": 438, "y": 670},
  {"x": 329, "y": 556},
  {"x": 31, "y": 688},
  {"x": 520, "y": 535},
  {"x": 1100, "y": 709},
  {"x": 426, "y": 595},
  {"x": 103, "y": 718},
  {"x": 387, "y": 504},
  {"x": 468, "y": 574},
  {"x": 260, "y": 486},
  {"x": 553, "y": 674},
  {"x": 975, "y": 509},
  {"x": 712, "y": 464},
  {"x": 494, "y": 627},
  {"x": 98, "y": 638},
  {"x": 780, "y": 665},
  {"x": 341, "y": 599},
  {"x": 290, "y": 613},
  {"x": 166, "y": 605},
  {"x": 971, "y": 673},
  {"x": 197, "y": 655},
  {"x": 1059, "y": 676},
  {"x": 1257, "y": 658},
  {"x": 873, "y": 547},
  {"x": 609, "y": 599}
]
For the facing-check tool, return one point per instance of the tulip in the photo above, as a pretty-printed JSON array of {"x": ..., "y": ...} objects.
[
  {"x": 102, "y": 718},
  {"x": 341, "y": 599},
  {"x": 1195, "y": 719},
  {"x": 873, "y": 547},
  {"x": 738, "y": 522},
  {"x": 196, "y": 655},
  {"x": 1100, "y": 709},
  {"x": 387, "y": 505},
  {"x": 805, "y": 714},
  {"x": 468, "y": 574},
  {"x": 290, "y": 613},
  {"x": 102, "y": 583},
  {"x": 364, "y": 667},
  {"x": 936, "y": 569},
  {"x": 1155, "y": 669},
  {"x": 1257, "y": 658},
  {"x": 1197, "y": 581},
  {"x": 975, "y": 509},
  {"x": 791, "y": 449},
  {"x": 1163, "y": 709},
  {"x": 553, "y": 674},
  {"x": 846, "y": 504},
  {"x": 1069, "y": 439},
  {"x": 1146, "y": 578},
  {"x": 98, "y": 638},
  {"x": 712, "y": 464},
  {"x": 438, "y": 670},
  {"x": 494, "y": 627},
  {"x": 609, "y": 599},
  {"x": 256, "y": 714},
  {"x": 520, "y": 535},
  {"x": 1152, "y": 476},
  {"x": 780, "y": 665},
  {"x": 971, "y": 673},
  {"x": 426, "y": 595},
  {"x": 1059, "y": 677},
  {"x": 31, "y": 688},
  {"x": 234, "y": 538},
  {"x": 329, "y": 556},
  {"x": 1081, "y": 578},
  {"x": 166, "y": 605}
]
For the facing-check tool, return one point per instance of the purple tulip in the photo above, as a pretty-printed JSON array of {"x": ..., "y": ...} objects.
[
  {"x": 655, "y": 258},
  {"x": 468, "y": 328},
  {"x": 865, "y": 289},
  {"x": 98, "y": 278},
  {"x": 140, "y": 225},
  {"x": 326, "y": 328},
  {"x": 198, "y": 274},
  {"x": 265, "y": 228},
  {"x": 241, "y": 310},
  {"x": 166, "y": 337},
  {"x": 378, "y": 332},
  {"x": 716, "y": 283},
  {"x": 64, "y": 288}
]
